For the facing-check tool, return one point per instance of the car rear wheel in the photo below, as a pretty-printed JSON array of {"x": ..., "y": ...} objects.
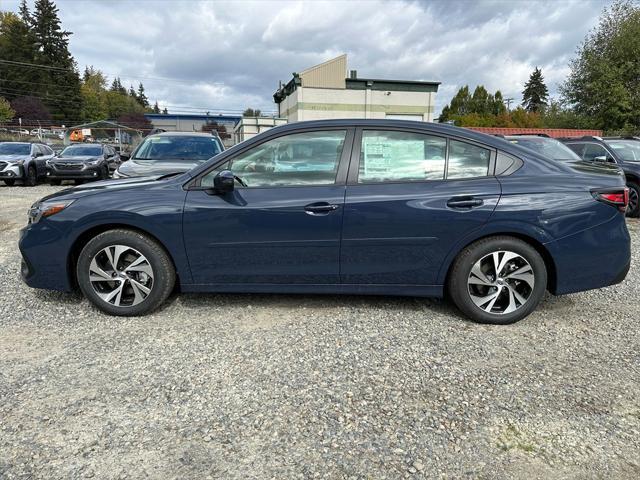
[
  {"x": 9, "y": 183},
  {"x": 126, "y": 273},
  {"x": 634, "y": 200},
  {"x": 497, "y": 280},
  {"x": 32, "y": 177}
]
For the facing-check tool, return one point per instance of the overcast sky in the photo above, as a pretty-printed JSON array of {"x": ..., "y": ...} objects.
[{"x": 197, "y": 56}]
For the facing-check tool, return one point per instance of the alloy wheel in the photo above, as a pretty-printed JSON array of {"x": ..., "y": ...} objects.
[
  {"x": 633, "y": 200},
  {"x": 121, "y": 276},
  {"x": 501, "y": 282}
]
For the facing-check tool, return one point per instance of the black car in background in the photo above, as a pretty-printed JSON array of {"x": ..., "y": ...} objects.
[
  {"x": 82, "y": 162},
  {"x": 23, "y": 161},
  {"x": 622, "y": 151},
  {"x": 170, "y": 152}
]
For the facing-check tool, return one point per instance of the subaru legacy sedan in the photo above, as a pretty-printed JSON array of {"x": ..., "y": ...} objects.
[{"x": 341, "y": 206}]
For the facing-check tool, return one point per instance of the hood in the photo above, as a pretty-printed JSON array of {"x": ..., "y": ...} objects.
[
  {"x": 13, "y": 158},
  {"x": 79, "y": 159},
  {"x": 106, "y": 185},
  {"x": 141, "y": 168}
]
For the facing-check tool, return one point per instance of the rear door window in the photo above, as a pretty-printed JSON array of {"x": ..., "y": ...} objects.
[
  {"x": 391, "y": 156},
  {"x": 467, "y": 160}
]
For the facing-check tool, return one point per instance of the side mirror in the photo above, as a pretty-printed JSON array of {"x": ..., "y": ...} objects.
[
  {"x": 39, "y": 154},
  {"x": 124, "y": 157},
  {"x": 224, "y": 182},
  {"x": 601, "y": 158}
]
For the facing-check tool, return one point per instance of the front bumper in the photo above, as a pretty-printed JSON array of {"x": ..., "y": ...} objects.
[
  {"x": 85, "y": 172},
  {"x": 42, "y": 264},
  {"x": 12, "y": 172}
]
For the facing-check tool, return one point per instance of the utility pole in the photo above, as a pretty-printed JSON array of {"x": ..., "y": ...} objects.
[{"x": 508, "y": 102}]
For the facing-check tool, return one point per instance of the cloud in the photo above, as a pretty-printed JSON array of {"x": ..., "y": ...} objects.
[{"x": 198, "y": 56}]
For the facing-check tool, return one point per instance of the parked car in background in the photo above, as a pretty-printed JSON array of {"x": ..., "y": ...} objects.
[
  {"x": 624, "y": 152},
  {"x": 170, "y": 152},
  {"x": 82, "y": 162},
  {"x": 23, "y": 161},
  {"x": 341, "y": 206}
]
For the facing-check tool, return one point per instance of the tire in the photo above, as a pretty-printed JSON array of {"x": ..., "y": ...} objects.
[
  {"x": 634, "y": 197},
  {"x": 158, "y": 268},
  {"x": 55, "y": 182},
  {"x": 31, "y": 179},
  {"x": 473, "y": 294},
  {"x": 10, "y": 183}
]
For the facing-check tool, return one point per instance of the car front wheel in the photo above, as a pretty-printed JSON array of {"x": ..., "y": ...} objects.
[
  {"x": 9, "y": 183},
  {"x": 124, "y": 272},
  {"x": 32, "y": 177},
  {"x": 498, "y": 280}
]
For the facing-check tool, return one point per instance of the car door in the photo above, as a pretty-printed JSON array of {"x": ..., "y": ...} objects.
[
  {"x": 410, "y": 197},
  {"x": 283, "y": 226}
]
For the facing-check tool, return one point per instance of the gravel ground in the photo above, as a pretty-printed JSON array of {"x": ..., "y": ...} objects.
[{"x": 262, "y": 386}]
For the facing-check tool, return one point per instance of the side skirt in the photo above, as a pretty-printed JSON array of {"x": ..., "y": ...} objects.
[{"x": 348, "y": 289}]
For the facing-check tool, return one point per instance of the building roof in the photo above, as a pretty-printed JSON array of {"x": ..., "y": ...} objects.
[
  {"x": 188, "y": 116},
  {"x": 332, "y": 75},
  {"x": 106, "y": 124}
]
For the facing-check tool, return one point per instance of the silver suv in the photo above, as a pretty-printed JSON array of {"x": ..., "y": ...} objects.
[{"x": 23, "y": 161}]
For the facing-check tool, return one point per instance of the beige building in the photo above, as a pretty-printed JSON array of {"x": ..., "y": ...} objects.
[
  {"x": 249, "y": 127},
  {"x": 324, "y": 92}
]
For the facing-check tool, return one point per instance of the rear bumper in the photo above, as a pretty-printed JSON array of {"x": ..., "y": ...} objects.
[{"x": 594, "y": 258}]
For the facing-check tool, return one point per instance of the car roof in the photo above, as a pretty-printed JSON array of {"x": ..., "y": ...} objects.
[{"x": 183, "y": 134}]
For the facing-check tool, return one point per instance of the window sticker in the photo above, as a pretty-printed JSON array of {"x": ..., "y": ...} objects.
[{"x": 389, "y": 158}]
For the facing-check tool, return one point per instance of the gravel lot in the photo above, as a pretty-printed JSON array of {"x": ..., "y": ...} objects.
[{"x": 262, "y": 386}]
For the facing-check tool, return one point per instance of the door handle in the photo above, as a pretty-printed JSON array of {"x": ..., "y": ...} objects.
[
  {"x": 464, "y": 202},
  {"x": 320, "y": 208}
]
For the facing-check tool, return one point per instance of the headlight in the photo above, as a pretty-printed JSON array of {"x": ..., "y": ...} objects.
[
  {"x": 45, "y": 209},
  {"x": 119, "y": 174},
  {"x": 19, "y": 162},
  {"x": 93, "y": 163}
]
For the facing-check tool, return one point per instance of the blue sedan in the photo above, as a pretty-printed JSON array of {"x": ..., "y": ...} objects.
[{"x": 341, "y": 206}]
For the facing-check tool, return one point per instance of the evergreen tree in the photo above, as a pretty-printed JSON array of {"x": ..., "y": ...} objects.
[
  {"x": 142, "y": 98},
  {"x": 17, "y": 44},
  {"x": 165, "y": 111},
  {"x": 156, "y": 108},
  {"x": 116, "y": 86},
  {"x": 25, "y": 14},
  {"x": 61, "y": 81},
  {"x": 132, "y": 92},
  {"x": 535, "y": 94}
]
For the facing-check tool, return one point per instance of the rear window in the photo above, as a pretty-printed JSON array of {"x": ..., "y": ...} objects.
[{"x": 547, "y": 146}]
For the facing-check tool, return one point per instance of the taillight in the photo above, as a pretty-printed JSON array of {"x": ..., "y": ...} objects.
[{"x": 618, "y": 198}]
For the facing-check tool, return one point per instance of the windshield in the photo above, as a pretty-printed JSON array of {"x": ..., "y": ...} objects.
[
  {"x": 82, "y": 151},
  {"x": 627, "y": 150},
  {"x": 548, "y": 147},
  {"x": 178, "y": 148},
  {"x": 15, "y": 149}
]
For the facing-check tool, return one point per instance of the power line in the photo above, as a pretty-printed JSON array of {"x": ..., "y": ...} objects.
[{"x": 66, "y": 70}]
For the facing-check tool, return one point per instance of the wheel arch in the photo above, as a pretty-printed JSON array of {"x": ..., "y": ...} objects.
[
  {"x": 82, "y": 239},
  {"x": 550, "y": 265}
]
